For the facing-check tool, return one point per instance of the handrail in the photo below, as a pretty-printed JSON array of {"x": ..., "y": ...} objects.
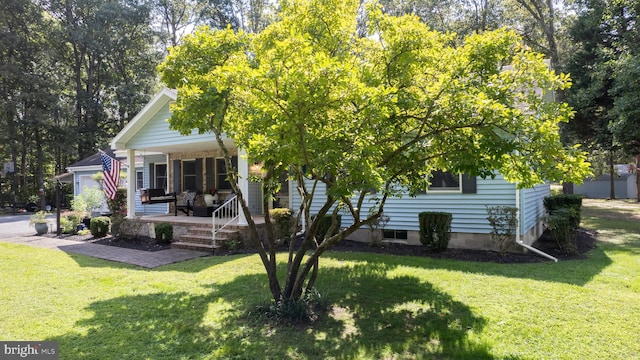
[{"x": 225, "y": 214}]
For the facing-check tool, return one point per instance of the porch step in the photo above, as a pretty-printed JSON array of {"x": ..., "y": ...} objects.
[
  {"x": 193, "y": 246},
  {"x": 200, "y": 238}
]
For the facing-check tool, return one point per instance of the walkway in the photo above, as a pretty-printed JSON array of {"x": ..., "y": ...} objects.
[{"x": 146, "y": 259}]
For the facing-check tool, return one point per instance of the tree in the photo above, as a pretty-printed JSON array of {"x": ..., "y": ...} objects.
[
  {"x": 355, "y": 120},
  {"x": 107, "y": 49},
  {"x": 603, "y": 94}
]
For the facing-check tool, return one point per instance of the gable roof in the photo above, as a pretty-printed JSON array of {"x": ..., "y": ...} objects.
[
  {"x": 94, "y": 160},
  {"x": 161, "y": 99}
]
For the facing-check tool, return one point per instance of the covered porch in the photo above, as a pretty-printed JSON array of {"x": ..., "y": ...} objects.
[{"x": 180, "y": 164}]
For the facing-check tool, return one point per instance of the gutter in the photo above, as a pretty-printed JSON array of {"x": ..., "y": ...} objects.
[{"x": 519, "y": 240}]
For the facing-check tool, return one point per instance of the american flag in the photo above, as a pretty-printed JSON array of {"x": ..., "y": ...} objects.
[{"x": 111, "y": 171}]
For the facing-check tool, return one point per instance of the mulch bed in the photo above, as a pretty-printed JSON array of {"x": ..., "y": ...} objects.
[{"x": 585, "y": 241}]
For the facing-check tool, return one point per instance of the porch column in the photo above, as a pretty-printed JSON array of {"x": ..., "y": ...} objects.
[
  {"x": 131, "y": 184},
  {"x": 243, "y": 182}
]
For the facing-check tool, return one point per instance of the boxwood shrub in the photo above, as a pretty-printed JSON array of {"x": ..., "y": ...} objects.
[
  {"x": 164, "y": 233},
  {"x": 435, "y": 229},
  {"x": 99, "y": 226}
]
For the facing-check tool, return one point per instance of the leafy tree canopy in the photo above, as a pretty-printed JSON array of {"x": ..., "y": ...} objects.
[{"x": 307, "y": 96}]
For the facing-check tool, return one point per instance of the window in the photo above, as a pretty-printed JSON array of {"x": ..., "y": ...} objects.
[
  {"x": 395, "y": 234},
  {"x": 160, "y": 176},
  {"x": 445, "y": 181},
  {"x": 139, "y": 180},
  {"x": 189, "y": 175},
  {"x": 221, "y": 173}
]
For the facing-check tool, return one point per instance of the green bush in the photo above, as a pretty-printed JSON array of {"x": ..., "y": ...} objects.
[
  {"x": 164, "y": 233},
  {"x": 325, "y": 224},
  {"x": 435, "y": 229},
  {"x": 504, "y": 221},
  {"x": 564, "y": 201},
  {"x": 99, "y": 226},
  {"x": 561, "y": 224},
  {"x": 281, "y": 219},
  {"x": 69, "y": 223}
]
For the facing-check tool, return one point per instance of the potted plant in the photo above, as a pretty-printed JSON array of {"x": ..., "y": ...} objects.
[
  {"x": 212, "y": 197},
  {"x": 39, "y": 222}
]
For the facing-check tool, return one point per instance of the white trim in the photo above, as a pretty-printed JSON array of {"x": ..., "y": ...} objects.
[{"x": 446, "y": 190}]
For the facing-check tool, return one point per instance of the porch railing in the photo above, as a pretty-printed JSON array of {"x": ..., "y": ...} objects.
[{"x": 224, "y": 215}]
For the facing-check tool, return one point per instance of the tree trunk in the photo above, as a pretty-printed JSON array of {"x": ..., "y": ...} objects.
[
  {"x": 612, "y": 177},
  {"x": 637, "y": 178}
]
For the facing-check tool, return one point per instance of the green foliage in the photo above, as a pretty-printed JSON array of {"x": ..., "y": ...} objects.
[
  {"x": 79, "y": 206},
  {"x": 99, "y": 226},
  {"x": 563, "y": 219},
  {"x": 283, "y": 222},
  {"x": 565, "y": 201},
  {"x": 316, "y": 102},
  {"x": 561, "y": 223},
  {"x": 69, "y": 223},
  {"x": 118, "y": 206},
  {"x": 304, "y": 310},
  {"x": 233, "y": 244},
  {"x": 164, "y": 233},
  {"x": 325, "y": 225},
  {"x": 504, "y": 224},
  {"x": 93, "y": 198},
  {"x": 39, "y": 217},
  {"x": 435, "y": 229}
]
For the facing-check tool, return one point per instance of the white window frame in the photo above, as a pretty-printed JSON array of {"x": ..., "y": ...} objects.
[
  {"x": 182, "y": 175},
  {"x": 154, "y": 181},
  {"x": 449, "y": 190},
  {"x": 139, "y": 180}
]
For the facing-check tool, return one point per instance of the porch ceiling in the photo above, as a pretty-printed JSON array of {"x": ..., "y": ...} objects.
[{"x": 187, "y": 147}]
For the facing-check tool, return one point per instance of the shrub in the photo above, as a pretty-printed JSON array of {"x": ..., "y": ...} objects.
[
  {"x": 561, "y": 224},
  {"x": 281, "y": 219},
  {"x": 233, "y": 244},
  {"x": 564, "y": 201},
  {"x": 302, "y": 311},
  {"x": 99, "y": 226},
  {"x": 504, "y": 221},
  {"x": 435, "y": 229},
  {"x": 70, "y": 223},
  {"x": 164, "y": 233},
  {"x": 325, "y": 225}
]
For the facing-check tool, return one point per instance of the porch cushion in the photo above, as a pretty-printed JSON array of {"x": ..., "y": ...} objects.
[{"x": 188, "y": 197}]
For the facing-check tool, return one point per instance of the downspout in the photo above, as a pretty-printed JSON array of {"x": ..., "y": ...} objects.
[{"x": 519, "y": 240}]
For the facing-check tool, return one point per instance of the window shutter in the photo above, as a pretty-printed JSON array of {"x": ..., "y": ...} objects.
[
  {"x": 468, "y": 184},
  {"x": 198, "y": 175},
  {"x": 177, "y": 174},
  {"x": 152, "y": 176},
  {"x": 210, "y": 180}
]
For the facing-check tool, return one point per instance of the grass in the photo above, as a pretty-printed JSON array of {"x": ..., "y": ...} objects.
[{"x": 385, "y": 307}]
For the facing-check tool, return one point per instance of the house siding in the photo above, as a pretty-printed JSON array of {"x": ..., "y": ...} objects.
[
  {"x": 532, "y": 206},
  {"x": 157, "y": 133},
  {"x": 150, "y": 209},
  {"x": 469, "y": 210}
]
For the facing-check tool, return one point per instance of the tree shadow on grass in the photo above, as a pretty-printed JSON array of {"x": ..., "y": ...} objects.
[
  {"x": 373, "y": 317},
  {"x": 575, "y": 272}
]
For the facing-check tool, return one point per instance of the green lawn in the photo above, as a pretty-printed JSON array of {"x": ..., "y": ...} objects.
[{"x": 385, "y": 307}]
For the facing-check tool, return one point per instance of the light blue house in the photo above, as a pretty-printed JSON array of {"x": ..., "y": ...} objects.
[
  {"x": 84, "y": 171},
  {"x": 178, "y": 163}
]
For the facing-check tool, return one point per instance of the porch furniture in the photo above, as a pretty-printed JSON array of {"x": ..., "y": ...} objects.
[
  {"x": 188, "y": 199},
  {"x": 204, "y": 211},
  {"x": 156, "y": 196}
]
